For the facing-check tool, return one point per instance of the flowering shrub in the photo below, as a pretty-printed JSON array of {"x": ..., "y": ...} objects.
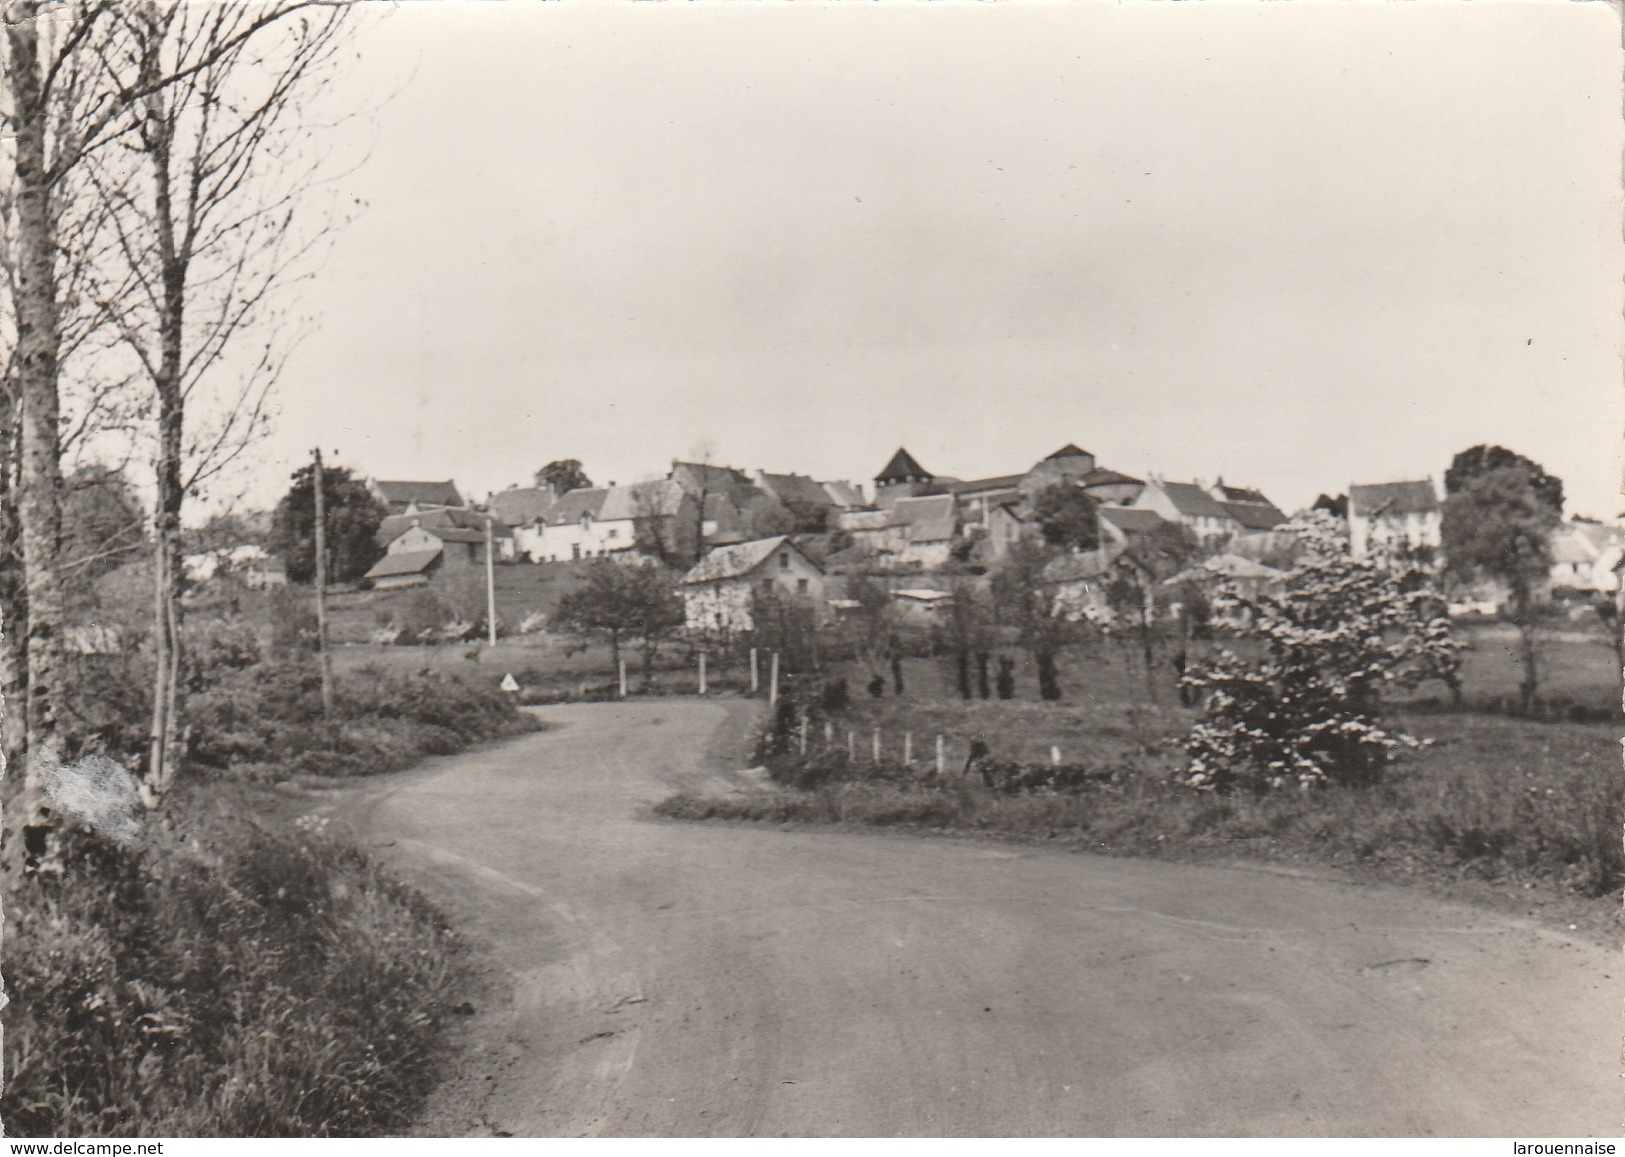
[{"x": 1337, "y": 632}]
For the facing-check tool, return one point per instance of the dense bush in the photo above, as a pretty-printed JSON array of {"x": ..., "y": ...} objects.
[
  {"x": 1338, "y": 633},
  {"x": 232, "y": 980},
  {"x": 265, "y": 721}
]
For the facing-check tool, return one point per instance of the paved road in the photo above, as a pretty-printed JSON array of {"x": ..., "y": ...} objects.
[{"x": 690, "y": 980}]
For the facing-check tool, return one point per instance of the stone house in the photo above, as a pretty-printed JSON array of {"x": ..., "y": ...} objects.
[{"x": 719, "y": 590}]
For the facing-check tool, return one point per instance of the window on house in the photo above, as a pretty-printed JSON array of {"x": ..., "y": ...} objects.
[
  {"x": 801, "y": 586},
  {"x": 784, "y": 560},
  {"x": 613, "y": 533}
]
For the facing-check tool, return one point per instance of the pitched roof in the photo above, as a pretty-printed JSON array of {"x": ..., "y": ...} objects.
[
  {"x": 466, "y": 533},
  {"x": 395, "y": 525},
  {"x": 1264, "y": 515},
  {"x": 929, "y": 519},
  {"x": 978, "y": 486},
  {"x": 406, "y": 562},
  {"x": 719, "y": 480},
  {"x": 1100, "y": 476},
  {"x": 423, "y": 493},
  {"x": 1132, "y": 521},
  {"x": 1226, "y": 493},
  {"x": 844, "y": 494},
  {"x": 1192, "y": 501},
  {"x": 903, "y": 468},
  {"x": 1069, "y": 451},
  {"x": 1375, "y": 499},
  {"x": 640, "y": 500},
  {"x": 729, "y": 562},
  {"x": 521, "y": 504},
  {"x": 798, "y": 489},
  {"x": 574, "y": 503}
]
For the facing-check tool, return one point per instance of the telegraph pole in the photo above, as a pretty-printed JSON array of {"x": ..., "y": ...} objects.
[
  {"x": 323, "y": 658},
  {"x": 490, "y": 586}
]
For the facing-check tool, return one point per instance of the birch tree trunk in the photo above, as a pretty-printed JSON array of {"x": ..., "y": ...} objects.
[{"x": 39, "y": 506}]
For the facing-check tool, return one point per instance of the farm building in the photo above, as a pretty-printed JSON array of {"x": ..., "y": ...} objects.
[{"x": 718, "y": 592}]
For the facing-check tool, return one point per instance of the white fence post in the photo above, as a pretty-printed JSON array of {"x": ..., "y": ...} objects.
[
  {"x": 876, "y": 757},
  {"x": 755, "y": 683},
  {"x": 773, "y": 692},
  {"x": 1054, "y": 756},
  {"x": 908, "y": 748},
  {"x": 941, "y": 757},
  {"x": 702, "y": 672}
]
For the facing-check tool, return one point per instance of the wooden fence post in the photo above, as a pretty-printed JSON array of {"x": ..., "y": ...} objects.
[
  {"x": 851, "y": 746},
  {"x": 803, "y": 735},
  {"x": 876, "y": 749},
  {"x": 773, "y": 690},
  {"x": 1054, "y": 756},
  {"x": 702, "y": 672},
  {"x": 908, "y": 748},
  {"x": 941, "y": 757},
  {"x": 623, "y": 678},
  {"x": 755, "y": 684},
  {"x": 829, "y": 733}
]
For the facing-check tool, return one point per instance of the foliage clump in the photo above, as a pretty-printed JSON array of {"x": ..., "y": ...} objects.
[
  {"x": 1338, "y": 632},
  {"x": 237, "y": 979}
]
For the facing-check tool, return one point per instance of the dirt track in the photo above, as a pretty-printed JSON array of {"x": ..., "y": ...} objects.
[{"x": 667, "y": 979}]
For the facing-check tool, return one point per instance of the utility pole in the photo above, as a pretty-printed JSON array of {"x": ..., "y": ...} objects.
[
  {"x": 490, "y": 587},
  {"x": 326, "y": 662}
]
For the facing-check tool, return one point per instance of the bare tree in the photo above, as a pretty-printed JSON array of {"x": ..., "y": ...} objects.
[
  {"x": 77, "y": 80},
  {"x": 206, "y": 186}
]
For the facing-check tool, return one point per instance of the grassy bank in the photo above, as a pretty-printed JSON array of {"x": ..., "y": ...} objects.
[
  {"x": 239, "y": 973},
  {"x": 1497, "y": 801}
]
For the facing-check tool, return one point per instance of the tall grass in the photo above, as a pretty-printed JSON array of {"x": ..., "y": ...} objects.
[
  {"x": 229, "y": 980},
  {"x": 234, "y": 976}
]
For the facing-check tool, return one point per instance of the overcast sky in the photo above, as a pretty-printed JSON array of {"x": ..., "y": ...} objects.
[{"x": 1297, "y": 245}]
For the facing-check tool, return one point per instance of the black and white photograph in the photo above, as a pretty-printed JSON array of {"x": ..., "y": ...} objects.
[{"x": 801, "y": 569}]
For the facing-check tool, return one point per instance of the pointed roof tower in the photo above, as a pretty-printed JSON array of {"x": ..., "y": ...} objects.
[
  {"x": 1070, "y": 450},
  {"x": 902, "y": 468}
]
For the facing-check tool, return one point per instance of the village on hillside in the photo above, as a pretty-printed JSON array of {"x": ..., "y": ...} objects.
[{"x": 735, "y": 532}]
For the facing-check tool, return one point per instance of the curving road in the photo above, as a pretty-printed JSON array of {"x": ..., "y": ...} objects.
[{"x": 669, "y": 979}]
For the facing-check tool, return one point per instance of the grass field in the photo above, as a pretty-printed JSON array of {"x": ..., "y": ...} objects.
[{"x": 1494, "y": 801}]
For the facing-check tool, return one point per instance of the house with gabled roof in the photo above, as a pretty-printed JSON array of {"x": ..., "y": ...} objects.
[
  {"x": 420, "y": 553},
  {"x": 1119, "y": 523},
  {"x": 1248, "y": 507},
  {"x": 1188, "y": 503},
  {"x": 721, "y": 589},
  {"x": 397, "y": 496},
  {"x": 1584, "y": 555},
  {"x": 806, "y": 501},
  {"x": 632, "y": 523},
  {"x": 520, "y": 505},
  {"x": 925, "y": 529},
  {"x": 752, "y": 506},
  {"x": 1404, "y": 516}
]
